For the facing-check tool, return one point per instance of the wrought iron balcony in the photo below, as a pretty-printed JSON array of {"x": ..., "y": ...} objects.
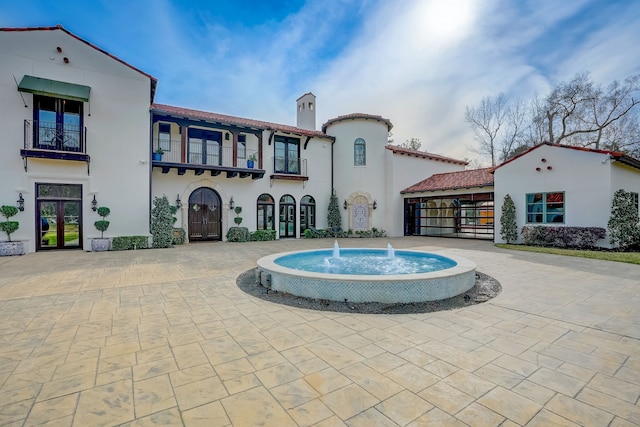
[
  {"x": 50, "y": 140},
  {"x": 289, "y": 168},
  {"x": 205, "y": 157}
]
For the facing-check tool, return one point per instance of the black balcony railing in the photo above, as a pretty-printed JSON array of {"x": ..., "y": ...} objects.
[
  {"x": 290, "y": 166},
  {"x": 66, "y": 137},
  {"x": 204, "y": 154}
]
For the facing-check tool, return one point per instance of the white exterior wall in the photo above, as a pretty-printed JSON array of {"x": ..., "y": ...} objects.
[
  {"x": 117, "y": 132},
  {"x": 624, "y": 177},
  {"x": 245, "y": 191},
  {"x": 369, "y": 179},
  {"x": 585, "y": 178},
  {"x": 404, "y": 171}
]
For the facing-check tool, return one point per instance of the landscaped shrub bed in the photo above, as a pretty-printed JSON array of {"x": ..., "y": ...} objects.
[
  {"x": 125, "y": 243},
  {"x": 262, "y": 235},
  {"x": 320, "y": 233},
  {"x": 238, "y": 234},
  {"x": 562, "y": 237}
]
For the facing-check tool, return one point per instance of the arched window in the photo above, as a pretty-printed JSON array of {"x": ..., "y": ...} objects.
[
  {"x": 307, "y": 213},
  {"x": 287, "y": 216},
  {"x": 359, "y": 152},
  {"x": 265, "y": 212}
]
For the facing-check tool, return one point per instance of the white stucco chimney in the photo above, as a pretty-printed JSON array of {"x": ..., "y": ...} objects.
[{"x": 306, "y": 111}]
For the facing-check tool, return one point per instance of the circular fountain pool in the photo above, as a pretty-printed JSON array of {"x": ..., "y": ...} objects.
[{"x": 367, "y": 275}]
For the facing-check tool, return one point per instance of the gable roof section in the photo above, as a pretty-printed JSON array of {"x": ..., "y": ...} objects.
[
  {"x": 615, "y": 155},
  {"x": 453, "y": 181},
  {"x": 239, "y": 121},
  {"x": 357, "y": 116},
  {"x": 154, "y": 81},
  {"x": 425, "y": 155}
]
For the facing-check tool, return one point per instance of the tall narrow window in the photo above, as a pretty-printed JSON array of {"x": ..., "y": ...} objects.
[
  {"x": 307, "y": 213},
  {"x": 242, "y": 146},
  {"x": 265, "y": 206},
  {"x": 164, "y": 136},
  {"x": 287, "y": 155},
  {"x": 287, "y": 216},
  {"x": 359, "y": 152},
  {"x": 58, "y": 124}
]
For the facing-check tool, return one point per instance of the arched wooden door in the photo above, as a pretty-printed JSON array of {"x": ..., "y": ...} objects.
[{"x": 204, "y": 215}]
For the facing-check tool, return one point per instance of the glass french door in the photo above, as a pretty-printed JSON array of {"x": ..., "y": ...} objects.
[
  {"x": 205, "y": 147},
  {"x": 59, "y": 224},
  {"x": 287, "y": 217}
]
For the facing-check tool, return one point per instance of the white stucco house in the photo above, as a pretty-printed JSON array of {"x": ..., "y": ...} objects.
[
  {"x": 81, "y": 131},
  {"x": 75, "y": 126},
  {"x": 558, "y": 185}
]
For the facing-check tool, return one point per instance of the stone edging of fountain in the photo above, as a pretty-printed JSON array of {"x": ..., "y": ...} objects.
[{"x": 486, "y": 288}]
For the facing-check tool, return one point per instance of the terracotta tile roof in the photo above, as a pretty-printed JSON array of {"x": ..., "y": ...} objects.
[
  {"x": 355, "y": 116},
  {"x": 425, "y": 155},
  {"x": 239, "y": 121},
  {"x": 453, "y": 180},
  {"x": 617, "y": 155},
  {"x": 154, "y": 81}
]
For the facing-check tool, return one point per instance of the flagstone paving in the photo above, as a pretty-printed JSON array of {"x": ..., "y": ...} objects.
[{"x": 165, "y": 337}]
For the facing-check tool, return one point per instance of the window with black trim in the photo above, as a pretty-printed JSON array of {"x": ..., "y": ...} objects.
[
  {"x": 242, "y": 146},
  {"x": 359, "y": 152},
  {"x": 265, "y": 207},
  {"x": 545, "y": 208},
  {"x": 287, "y": 155},
  {"x": 58, "y": 124},
  {"x": 164, "y": 136}
]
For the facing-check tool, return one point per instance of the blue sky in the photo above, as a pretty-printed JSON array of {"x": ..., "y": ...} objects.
[{"x": 417, "y": 62}]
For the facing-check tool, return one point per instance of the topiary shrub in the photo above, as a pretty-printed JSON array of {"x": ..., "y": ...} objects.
[
  {"x": 161, "y": 223},
  {"x": 508, "y": 226},
  {"x": 7, "y": 211},
  {"x": 238, "y": 218},
  {"x": 102, "y": 224}
]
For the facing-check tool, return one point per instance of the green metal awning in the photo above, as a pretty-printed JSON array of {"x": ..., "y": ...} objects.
[{"x": 54, "y": 88}]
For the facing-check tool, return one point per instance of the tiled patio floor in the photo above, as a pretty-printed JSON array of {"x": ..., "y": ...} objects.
[{"x": 164, "y": 337}]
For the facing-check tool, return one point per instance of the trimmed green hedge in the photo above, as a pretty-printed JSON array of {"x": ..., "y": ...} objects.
[
  {"x": 238, "y": 234},
  {"x": 262, "y": 235},
  {"x": 125, "y": 243}
]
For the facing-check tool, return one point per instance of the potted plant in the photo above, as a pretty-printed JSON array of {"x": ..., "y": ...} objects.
[
  {"x": 251, "y": 160},
  {"x": 157, "y": 155},
  {"x": 9, "y": 248},
  {"x": 101, "y": 244}
]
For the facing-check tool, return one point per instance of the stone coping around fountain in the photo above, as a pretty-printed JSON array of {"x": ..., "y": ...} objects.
[{"x": 397, "y": 288}]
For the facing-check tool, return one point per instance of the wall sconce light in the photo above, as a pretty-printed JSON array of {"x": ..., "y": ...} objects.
[
  {"x": 231, "y": 203},
  {"x": 375, "y": 204},
  {"x": 226, "y": 136},
  {"x": 178, "y": 202},
  {"x": 344, "y": 205},
  {"x": 94, "y": 204},
  {"x": 20, "y": 203}
]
